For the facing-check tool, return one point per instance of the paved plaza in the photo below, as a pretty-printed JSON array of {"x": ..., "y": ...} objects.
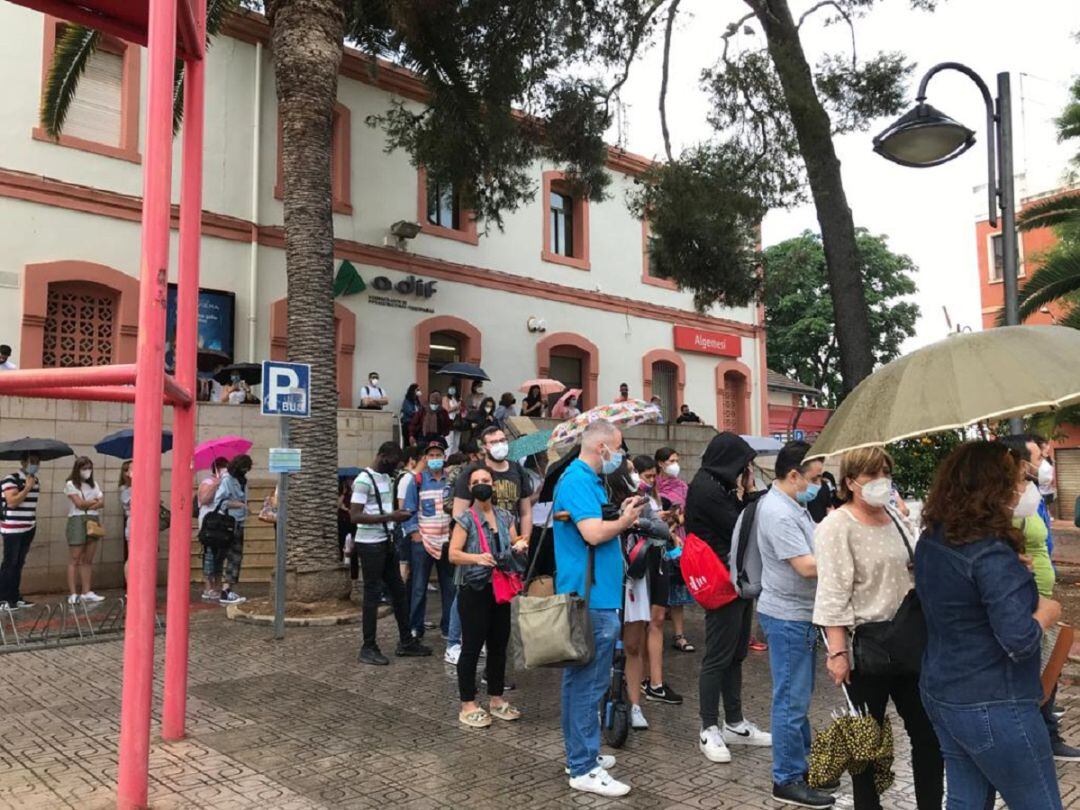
[{"x": 301, "y": 725}]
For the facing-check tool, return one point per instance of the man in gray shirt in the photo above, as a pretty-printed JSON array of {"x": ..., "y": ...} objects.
[{"x": 785, "y": 535}]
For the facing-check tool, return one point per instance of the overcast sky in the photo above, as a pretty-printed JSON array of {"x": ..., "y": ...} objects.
[{"x": 927, "y": 213}]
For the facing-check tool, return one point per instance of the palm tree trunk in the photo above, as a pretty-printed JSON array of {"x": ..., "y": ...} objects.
[
  {"x": 307, "y": 38},
  {"x": 814, "y": 133}
]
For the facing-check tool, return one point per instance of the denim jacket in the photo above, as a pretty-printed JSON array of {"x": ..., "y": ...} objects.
[
  {"x": 230, "y": 490},
  {"x": 498, "y": 540},
  {"x": 983, "y": 644}
]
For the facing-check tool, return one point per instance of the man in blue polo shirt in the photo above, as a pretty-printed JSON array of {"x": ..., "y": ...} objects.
[{"x": 580, "y": 493}]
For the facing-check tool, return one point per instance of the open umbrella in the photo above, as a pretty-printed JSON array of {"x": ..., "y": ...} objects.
[
  {"x": 956, "y": 382},
  {"x": 210, "y": 360},
  {"x": 228, "y": 447},
  {"x": 45, "y": 449},
  {"x": 529, "y": 444},
  {"x": 558, "y": 410},
  {"x": 347, "y": 472},
  {"x": 547, "y": 387},
  {"x": 763, "y": 445},
  {"x": 251, "y": 373},
  {"x": 466, "y": 370},
  {"x": 122, "y": 443},
  {"x": 623, "y": 414}
]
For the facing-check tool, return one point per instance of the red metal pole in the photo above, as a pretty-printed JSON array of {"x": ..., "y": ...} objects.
[
  {"x": 187, "y": 310},
  {"x": 64, "y": 377},
  {"x": 149, "y": 386}
]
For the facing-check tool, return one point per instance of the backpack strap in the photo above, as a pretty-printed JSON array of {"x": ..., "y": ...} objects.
[
  {"x": 746, "y": 525},
  {"x": 378, "y": 502}
]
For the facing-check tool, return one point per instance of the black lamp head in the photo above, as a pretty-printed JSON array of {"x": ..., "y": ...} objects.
[{"x": 924, "y": 137}]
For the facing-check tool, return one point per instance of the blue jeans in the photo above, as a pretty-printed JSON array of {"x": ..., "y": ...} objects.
[
  {"x": 791, "y": 661},
  {"x": 582, "y": 688},
  {"x": 453, "y": 636},
  {"x": 419, "y": 573},
  {"x": 998, "y": 747}
]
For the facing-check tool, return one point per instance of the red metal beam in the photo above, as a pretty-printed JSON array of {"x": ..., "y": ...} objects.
[
  {"x": 132, "y": 29},
  {"x": 191, "y": 39},
  {"x": 96, "y": 393},
  {"x": 67, "y": 377},
  {"x": 175, "y": 393}
]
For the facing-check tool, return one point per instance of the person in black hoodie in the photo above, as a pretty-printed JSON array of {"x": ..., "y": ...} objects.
[{"x": 718, "y": 493}]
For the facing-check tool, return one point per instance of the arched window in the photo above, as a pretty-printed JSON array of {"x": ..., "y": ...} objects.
[
  {"x": 573, "y": 360},
  {"x": 733, "y": 397},
  {"x": 80, "y": 325},
  {"x": 441, "y": 340},
  {"x": 663, "y": 374}
]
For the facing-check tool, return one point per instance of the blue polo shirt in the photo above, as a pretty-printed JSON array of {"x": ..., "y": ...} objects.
[{"x": 581, "y": 493}]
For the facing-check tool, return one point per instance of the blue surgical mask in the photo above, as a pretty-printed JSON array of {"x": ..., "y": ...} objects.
[
  {"x": 807, "y": 495},
  {"x": 611, "y": 464},
  {"x": 31, "y": 469},
  {"x": 435, "y": 463}
]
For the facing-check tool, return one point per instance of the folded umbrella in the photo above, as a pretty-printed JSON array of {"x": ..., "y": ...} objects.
[
  {"x": 957, "y": 382},
  {"x": 45, "y": 449},
  {"x": 466, "y": 370},
  {"x": 228, "y": 447},
  {"x": 529, "y": 445},
  {"x": 122, "y": 443},
  {"x": 547, "y": 387},
  {"x": 251, "y": 373}
]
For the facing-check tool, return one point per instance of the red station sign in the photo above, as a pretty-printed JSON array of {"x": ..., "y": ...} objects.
[{"x": 689, "y": 339}]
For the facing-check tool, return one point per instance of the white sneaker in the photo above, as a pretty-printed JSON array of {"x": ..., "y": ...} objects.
[
  {"x": 92, "y": 597},
  {"x": 746, "y": 733},
  {"x": 637, "y": 719},
  {"x": 73, "y": 599},
  {"x": 453, "y": 653},
  {"x": 711, "y": 743},
  {"x": 600, "y": 782},
  {"x": 604, "y": 761}
]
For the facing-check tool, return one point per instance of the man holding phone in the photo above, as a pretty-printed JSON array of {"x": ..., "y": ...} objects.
[{"x": 20, "y": 493}]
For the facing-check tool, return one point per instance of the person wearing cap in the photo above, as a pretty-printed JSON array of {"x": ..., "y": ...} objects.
[{"x": 428, "y": 530}]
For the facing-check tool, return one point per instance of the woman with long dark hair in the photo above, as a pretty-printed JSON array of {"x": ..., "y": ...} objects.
[
  {"x": 232, "y": 492},
  {"x": 534, "y": 403},
  {"x": 409, "y": 406},
  {"x": 985, "y": 620},
  {"x": 84, "y": 512},
  {"x": 484, "y": 416}
]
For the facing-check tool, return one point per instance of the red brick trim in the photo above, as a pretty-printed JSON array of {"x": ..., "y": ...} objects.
[
  {"x": 585, "y": 348},
  {"x": 580, "y": 259},
  {"x": 344, "y": 343},
  {"x": 466, "y": 233},
  {"x": 36, "y": 281},
  {"x": 128, "y": 148},
  {"x": 724, "y": 368},
  {"x": 664, "y": 356}
]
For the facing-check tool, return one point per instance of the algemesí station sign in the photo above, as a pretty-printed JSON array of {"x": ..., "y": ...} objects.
[{"x": 688, "y": 339}]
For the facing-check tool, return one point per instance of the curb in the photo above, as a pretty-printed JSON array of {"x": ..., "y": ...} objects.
[{"x": 238, "y": 614}]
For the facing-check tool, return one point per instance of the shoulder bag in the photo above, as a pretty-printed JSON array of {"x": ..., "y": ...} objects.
[
  {"x": 893, "y": 647},
  {"x": 505, "y": 584},
  {"x": 94, "y": 529},
  {"x": 218, "y": 528},
  {"x": 552, "y": 630}
]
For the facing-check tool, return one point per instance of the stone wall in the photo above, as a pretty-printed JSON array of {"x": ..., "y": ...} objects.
[{"x": 82, "y": 424}]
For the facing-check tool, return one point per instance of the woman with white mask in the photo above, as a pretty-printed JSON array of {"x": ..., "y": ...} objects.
[{"x": 864, "y": 564}]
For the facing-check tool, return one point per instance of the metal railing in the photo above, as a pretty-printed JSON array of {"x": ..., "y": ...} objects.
[{"x": 60, "y": 624}]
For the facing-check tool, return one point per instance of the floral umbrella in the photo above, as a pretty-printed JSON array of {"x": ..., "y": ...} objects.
[{"x": 623, "y": 414}]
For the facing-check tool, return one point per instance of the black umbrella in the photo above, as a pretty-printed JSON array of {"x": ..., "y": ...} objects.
[
  {"x": 251, "y": 373},
  {"x": 122, "y": 443},
  {"x": 45, "y": 449},
  {"x": 211, "y": 360},
  {"x": 466, "y": 370}
]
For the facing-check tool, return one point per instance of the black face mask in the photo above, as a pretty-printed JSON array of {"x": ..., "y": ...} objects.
[
  {"x": 385, "y": 467},
  {"x": 481, "y": 492}
]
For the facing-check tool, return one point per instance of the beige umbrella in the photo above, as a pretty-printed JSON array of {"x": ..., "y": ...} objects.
[{"x": 959, "y": 381}]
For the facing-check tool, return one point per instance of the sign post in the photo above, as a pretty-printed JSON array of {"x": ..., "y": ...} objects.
[{"x": 286, "y": 393}]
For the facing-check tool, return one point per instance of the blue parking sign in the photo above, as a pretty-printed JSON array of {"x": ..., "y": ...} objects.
[{"x": 286, "y": 389}]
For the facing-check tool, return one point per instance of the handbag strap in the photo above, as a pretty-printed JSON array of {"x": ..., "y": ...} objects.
[
  {"x": 903, "y": 534},
  {"x": 480, "y": 531},
  {"x": 378, "y": 502}
]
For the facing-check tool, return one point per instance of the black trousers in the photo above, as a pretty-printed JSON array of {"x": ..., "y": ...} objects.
[
  {"x": 379, "y": 566},
  {"x": 16, "y": 547},
  {"x": 482, "y": 622},
  {"x": 873, "y": 692},
  {"x": 727, "y": 642}
]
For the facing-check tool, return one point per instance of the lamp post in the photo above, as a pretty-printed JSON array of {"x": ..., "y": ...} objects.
[{"x": 925, "y": 137}]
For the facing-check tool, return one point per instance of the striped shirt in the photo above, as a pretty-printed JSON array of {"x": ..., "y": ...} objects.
[{"x": 22, "y": 517}]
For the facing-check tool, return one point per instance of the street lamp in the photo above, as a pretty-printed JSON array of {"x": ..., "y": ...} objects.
[{"x": 925, "y": 137}]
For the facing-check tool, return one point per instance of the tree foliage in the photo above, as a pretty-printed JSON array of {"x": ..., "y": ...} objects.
[
  {"x": 799, "y": 313},
  {"x": 917, "y": 460}
]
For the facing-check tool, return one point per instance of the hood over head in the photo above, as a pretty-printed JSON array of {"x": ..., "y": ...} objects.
[{"x": 726, "y": 457}]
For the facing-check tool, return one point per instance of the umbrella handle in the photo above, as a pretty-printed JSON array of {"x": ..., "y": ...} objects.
[{"x": 843, "y": 686}]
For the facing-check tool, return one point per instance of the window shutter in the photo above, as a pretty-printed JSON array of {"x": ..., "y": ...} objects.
[{"x": 94, "y": 114}]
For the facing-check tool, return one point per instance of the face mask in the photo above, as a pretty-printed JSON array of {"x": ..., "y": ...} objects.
[
  {"x": 489, "y": 408},
  {"x": 611, "y": 464},
  {"x": 86, "y": 474},
  {"x": 572, "y": 403},
  {"x": 385, "y": 467},
  {"x": 635, "y": 479},
  {"x": 451, "y": 391},
  {"x": 435, "y": 464},
  {"x": 374, "y": 380},
  {"x": 499, "y": 451},
  {"x": 434, "y": 406},
  {"x": 877, "y": 492},
  {"x": 481, "y": 492},
  {"x": 672, "y": 469},
  {"x": 807, "y": 495},
  {"x": 419, "y": 394},
  {"x": 1029, "y": 502},
  {"x": 31, "y": 469}
]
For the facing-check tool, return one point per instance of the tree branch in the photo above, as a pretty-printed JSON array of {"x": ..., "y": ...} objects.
[
  {"x": 664, "y": 78},
  {"x": 635, "y": 43},
  {"x": 733, "y": 29},
  {"x": 843, "y": 13}
]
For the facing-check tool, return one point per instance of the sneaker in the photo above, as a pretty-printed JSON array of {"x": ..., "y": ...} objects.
[
  {"x": 22, "y": 603},
  {"x": 231, "y": 598},
  {"x": 1058, "y": 712},
  {"x": 452, "y": 654},
  {"x": 73, "y": 599},
  {"x": 431, "y": 588},
  {"x": 801, "y": 794},
  {"x": 371, "y": 655},
  {"x": 92, "y": 597},
  {"x": 412, "y": 649},
  {"x": 758, "y": 646},
  {"x": 711, "y": 744},
  {"x": 637, "y": 719},
  {"x": 430, "y": 625},
  {"x": 746, "y": 733},
  {"x": 664, "y": 694},
  {"x": 604, "y": 761},
  {"x": 1064, "y": 752},
  {"x": 211, "y": 596},
  {"x": 600, "y": 782},
  {"x": 5, "y": 606}
]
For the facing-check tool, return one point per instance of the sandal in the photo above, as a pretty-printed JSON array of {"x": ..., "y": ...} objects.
[
  {"x": 505, "y": 712},
  {"x": 682, "y": 645},
  {"x": 478, "y": 718}
]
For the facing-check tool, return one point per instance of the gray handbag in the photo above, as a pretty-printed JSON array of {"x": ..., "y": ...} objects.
[{"x": 552, "y": 631}]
